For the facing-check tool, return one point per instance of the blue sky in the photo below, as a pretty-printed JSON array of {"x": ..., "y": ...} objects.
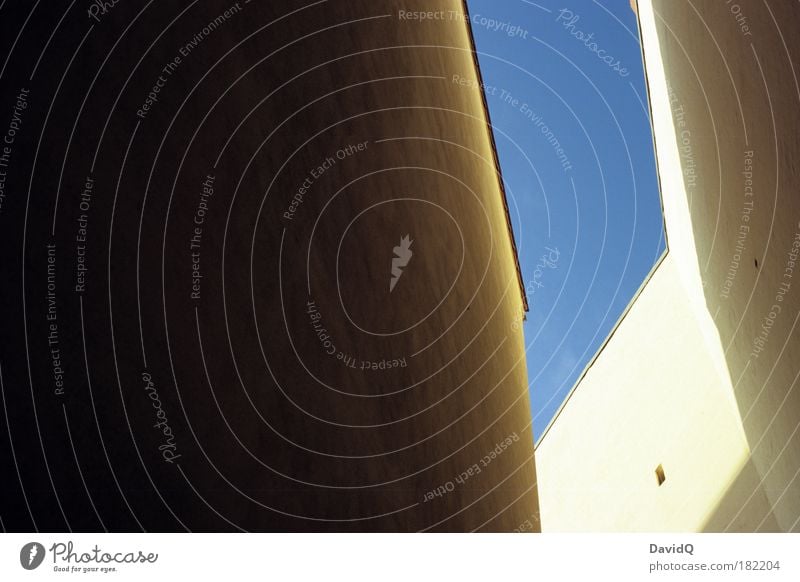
[{"x": 566, "y": 94}]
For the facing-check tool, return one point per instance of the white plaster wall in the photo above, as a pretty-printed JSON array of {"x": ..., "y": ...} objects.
[
  {"x": 653, "y": 396},
  {"x": 677, "y": 383}
]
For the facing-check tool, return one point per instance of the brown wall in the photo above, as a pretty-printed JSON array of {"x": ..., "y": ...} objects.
[
  {"x": 268, "y": 431},
  {"x": 392, "y": 435}
]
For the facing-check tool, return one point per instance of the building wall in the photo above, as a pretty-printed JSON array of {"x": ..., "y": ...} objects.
[
  {"x": 733, "y": 70},
  {"x": 686, "y": 377},
  {"x": 651, "y": 397},
  {"x": 302, "y": 394}
]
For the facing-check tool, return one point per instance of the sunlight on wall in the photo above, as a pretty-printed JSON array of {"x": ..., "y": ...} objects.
[{"x": 659, "y": 394}]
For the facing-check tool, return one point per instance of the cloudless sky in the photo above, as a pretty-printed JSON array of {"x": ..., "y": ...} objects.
[{"x": 551, "y": 76}]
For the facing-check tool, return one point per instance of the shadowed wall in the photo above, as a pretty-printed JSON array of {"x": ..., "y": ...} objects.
[{"x": 234, "y": 358}]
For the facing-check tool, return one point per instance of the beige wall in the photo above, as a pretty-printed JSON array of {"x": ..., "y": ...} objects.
[
  {"x": 680, "y": 383},
  {"x": 652, "y": 397},
  {"x": 739, "y": 92}
]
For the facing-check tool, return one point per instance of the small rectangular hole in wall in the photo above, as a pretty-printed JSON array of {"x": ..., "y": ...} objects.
[{"x": 660, "y": 475}]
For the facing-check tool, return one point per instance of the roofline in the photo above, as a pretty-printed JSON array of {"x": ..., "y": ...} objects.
[
  {"x": 489, "y": 128},
  {"x": 628, "y": 308},
  {"x": 654, "y": 268}
]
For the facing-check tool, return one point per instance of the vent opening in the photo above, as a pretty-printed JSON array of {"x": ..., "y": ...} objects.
[{"x": 660, "y": 477}]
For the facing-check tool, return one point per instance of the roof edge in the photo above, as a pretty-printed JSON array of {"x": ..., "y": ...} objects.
[{"x": 498, "y": 170}]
